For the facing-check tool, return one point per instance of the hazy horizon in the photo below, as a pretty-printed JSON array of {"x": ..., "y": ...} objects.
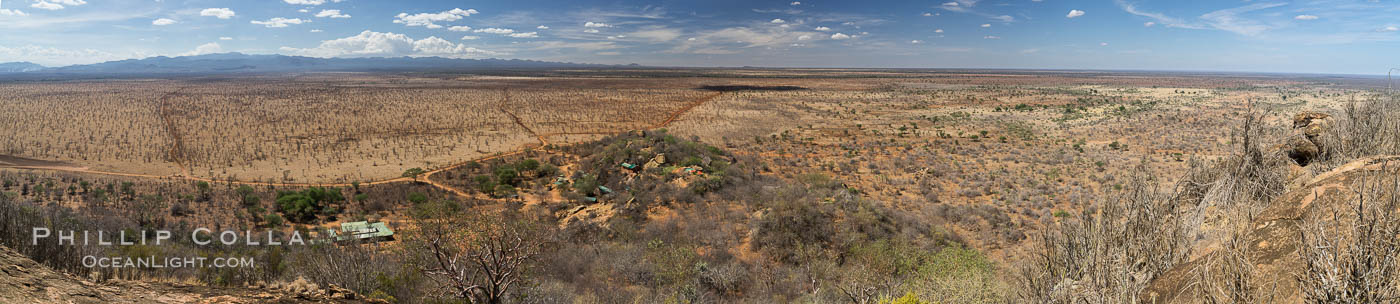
[{"x": 1304, "y": 37}]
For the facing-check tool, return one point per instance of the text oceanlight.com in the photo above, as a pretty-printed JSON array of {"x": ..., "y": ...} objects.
[
  {"x": 200, "y": 237},
  {"x": 166, "y": 262}
]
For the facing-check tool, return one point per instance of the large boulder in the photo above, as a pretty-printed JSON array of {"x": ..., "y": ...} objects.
[
  {"x": 1302, "y": 150},
  {"x": 1311, "y": 124},
  {"x": 1305, "y": 144}
]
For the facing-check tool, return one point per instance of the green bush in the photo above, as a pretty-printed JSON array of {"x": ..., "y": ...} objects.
[
  {"x": 417, "y": 198},
  {"x": 273, "y": 220},
  {"x": 303, "y": 206}
]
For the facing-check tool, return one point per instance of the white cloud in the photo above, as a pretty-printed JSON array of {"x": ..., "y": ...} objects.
[
  {"x": 69, "y": 2},
  {"x": 1149, "y": 24},
  {"x": 731, "y": 40},
  {"x": 303, "y": 11},
  {"x": 221, "y": 13},
  {"x": 525, "y": 35},
  {"x": 309, "y": 2},
  {"x": 163, "y": 21},
  {"x": 959, "y": 5},
  {"x": 1305, "y": 17},
  {"x": 439, "y": 46},
  {"x": 986, "y": 25},
  {"x": 1074, "y": 13},
  {"x": 582, "y": 46},
  {"x": 822, "y": 28},
  {"x": 915, "y": 41},
  {"x": 207, "y": 48},
  {"x": 991, "y": 37},
  {"x": 940, "y": 31},
  {"x": 542, "y": 27},
  {"x": 1158, "y": 17},
  {"x": 928, "y": 15},
  {"x": 1004, "y": 18},
  {"x": 469, "y": 37},
  {"x": 280, "y": 22},
  {"x": 370, "y": 43},
  {"x": 493, "y": 30},
  {"x": 591, "y": 31},
  {"x": 225, "y": 38},
  {"x": 778, "y": 21},
  {"x": 1230, "y": 21},
  {"x": 429, "y": 20},
  {"x": 795, "y": 3},
  {"x": 840, "y": 36},
  {"x": 596, "y": 24},
  {"x": 459, "y": 28},
  {"x": 657, "y": 34},
  {"x": 60, "y": 57},
  {"x": 10, "y": 12},
  {"x": 45, "y": 5},
  {"x": 1388, "y": 29},
  {"x": 316, "y": 31},
  {"x": 332, "y": 13},
  {"x": 1103, "y": 43}
]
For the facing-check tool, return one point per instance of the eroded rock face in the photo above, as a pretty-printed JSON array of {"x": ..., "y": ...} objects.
[
  {"x": 1311, "y": 124},
  {"x": 1305, "y": 143},
  {"x": 1302, "y": 150},
  {"x": 1274, "y": 237}
]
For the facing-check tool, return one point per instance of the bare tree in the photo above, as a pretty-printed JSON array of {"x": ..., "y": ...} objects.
[{"x": 474, "y": 256}]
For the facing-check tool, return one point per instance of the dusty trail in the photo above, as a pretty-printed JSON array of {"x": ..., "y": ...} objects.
[
  {"x": 506, "y": 101},
  {"x": 177, "y": 146},
  {"x": 425, "y": 177},
  {"x": 687, "y": 108}
]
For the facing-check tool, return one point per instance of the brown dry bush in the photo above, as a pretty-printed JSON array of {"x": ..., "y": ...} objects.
[
  {"x": 1109, "y": 252},
  {"x": 1364, "y": 128},
  {"x": 1359, "y": 263}
]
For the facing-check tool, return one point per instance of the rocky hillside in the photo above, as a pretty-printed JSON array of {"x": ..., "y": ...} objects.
[{"x": 1276, "y": 241}]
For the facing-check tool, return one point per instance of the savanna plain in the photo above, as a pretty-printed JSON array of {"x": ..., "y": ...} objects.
[{"x": 714, "y": 186}]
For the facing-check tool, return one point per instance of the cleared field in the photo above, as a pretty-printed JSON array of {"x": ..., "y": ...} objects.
[{"x": 314, "y": 130}]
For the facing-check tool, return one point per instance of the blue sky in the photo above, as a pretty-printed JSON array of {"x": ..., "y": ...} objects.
[{"x": 1322, "y": 36}]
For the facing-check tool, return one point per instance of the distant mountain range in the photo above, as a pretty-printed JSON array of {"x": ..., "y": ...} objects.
[
  {"x": 19, "y": 67},
  {"x": 243, "y": 63}
]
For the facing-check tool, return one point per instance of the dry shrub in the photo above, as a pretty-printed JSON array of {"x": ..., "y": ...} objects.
[
  {"x": 363, "y": 268},
  {"x": 1366, "y": 128},
  {"x": 1228, "y": 276},
  {"x": 1355, "y": 263},
  {"x": 1109, "y": 252}
]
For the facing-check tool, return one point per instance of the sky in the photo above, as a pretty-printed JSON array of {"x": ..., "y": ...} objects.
[{"x": 1319, "y": 36}]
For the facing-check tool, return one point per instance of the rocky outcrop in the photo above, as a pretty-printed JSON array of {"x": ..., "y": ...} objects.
[
  {"x": 1274, "y": 237},
  {"x": 1305, "y": 142}
]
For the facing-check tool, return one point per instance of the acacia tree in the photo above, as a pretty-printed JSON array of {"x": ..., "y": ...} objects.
[
  {"x": 414, "y": 173},
  {"x": 471, "y": 255}
]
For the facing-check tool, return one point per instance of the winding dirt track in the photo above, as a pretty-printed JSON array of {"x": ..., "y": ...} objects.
[
  {"x": 425, "y": 177},
  {"x": 506, "y": 100}
]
